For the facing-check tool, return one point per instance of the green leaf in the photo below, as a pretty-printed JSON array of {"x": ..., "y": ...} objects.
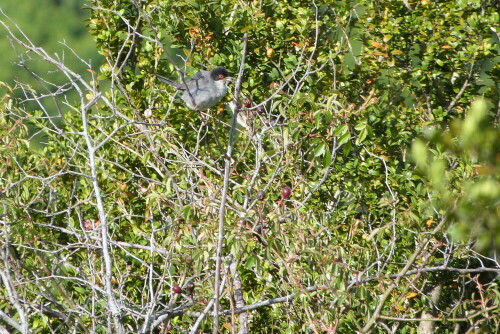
[{"x": 319, "y": 150}]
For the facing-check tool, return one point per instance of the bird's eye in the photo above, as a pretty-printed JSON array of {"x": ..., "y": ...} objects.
[{"x": 221, "y": 76}]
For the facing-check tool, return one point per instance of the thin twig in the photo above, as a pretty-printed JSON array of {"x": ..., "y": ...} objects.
[{"x": 227, "y": 170}]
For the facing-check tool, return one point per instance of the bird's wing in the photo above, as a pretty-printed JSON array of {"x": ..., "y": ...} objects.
[
  {"x": 198, "y": 76},
  {"x": 200, "y": 80}
]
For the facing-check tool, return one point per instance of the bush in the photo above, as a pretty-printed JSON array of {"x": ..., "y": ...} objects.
[{"x": 364, "y": 111}]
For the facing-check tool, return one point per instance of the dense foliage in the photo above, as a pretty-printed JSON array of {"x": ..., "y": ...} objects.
[{"x": 358, "y": 191}]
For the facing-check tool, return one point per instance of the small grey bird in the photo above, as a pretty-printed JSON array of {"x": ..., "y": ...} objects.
[{"x": 203, "y": 90}]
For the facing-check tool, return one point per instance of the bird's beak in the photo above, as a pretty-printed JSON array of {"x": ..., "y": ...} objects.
[{"x": 228, "y": 79}]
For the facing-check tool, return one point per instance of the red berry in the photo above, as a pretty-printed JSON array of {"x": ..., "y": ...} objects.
[
  {"x": 261, "y": 195},
  {"x": 286, "y": 192},
  {"x": 177, "y": 289},
  {"x": 247, "y": 103},
  {"x": 190, "y": 287}
]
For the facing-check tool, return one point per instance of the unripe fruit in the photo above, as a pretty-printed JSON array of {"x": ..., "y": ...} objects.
[
  {"x": 177, "y": 289},
  {"x": 286, "y": 192},
  {"x": 270, "y": 53}
]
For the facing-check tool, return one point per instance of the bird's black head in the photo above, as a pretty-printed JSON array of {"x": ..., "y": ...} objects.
[{"x": 219, "y": 73}]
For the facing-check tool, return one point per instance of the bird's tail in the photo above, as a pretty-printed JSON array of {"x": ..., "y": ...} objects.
[{"x": 169, "y": 81}]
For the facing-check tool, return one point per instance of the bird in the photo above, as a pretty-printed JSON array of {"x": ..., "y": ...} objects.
[{"x": 204, "y": 89}]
